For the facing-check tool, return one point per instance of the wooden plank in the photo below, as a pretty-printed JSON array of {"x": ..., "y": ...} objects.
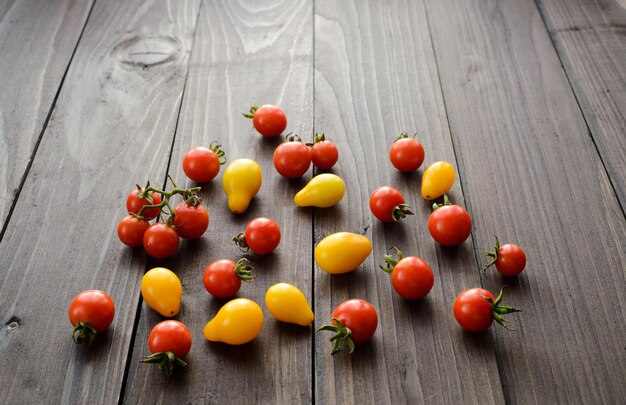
[
  {"x": 375, "y": 76},
  {"x": 532, "y": 175},
  {"x": 589, "y": 37},
  {"x": 37, "y": 41},
  {"x": 112, "y": 127},
  {"x": 241, "y": 56}
]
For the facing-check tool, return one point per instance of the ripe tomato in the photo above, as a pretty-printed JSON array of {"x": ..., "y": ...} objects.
[
  {"x": 353, "y": 321},
  {"x": 262, "y": 236},
  {"x": 202, "y": 164},
  {"x": 476, "y": 308},
  {"x": 223, "y": 278},
  {"x": 269, "y": 120},
  {"x": 90, "y": 312},
  {"x": 387, "y": 204},
  {"x": 292, "y": 158},
  {"x": 130, "y": 230},
  {"x": 190, "y": 221},
  {"x": 449, "y": 224},
  {"x": 160, "y": 240},
  {"x": 136, "y": 199},
  {"x": 437, "y": 180},
  {"x": 162, "y": 290},
  {"x": 169, "y": 341},
  {"x": 238, "y": 322},
  {"x": 509, "y": 259},
  {"x": 406, "y": 154},
  {"x": 411, "y": 277},
  {"x": 324, "y": 154}
]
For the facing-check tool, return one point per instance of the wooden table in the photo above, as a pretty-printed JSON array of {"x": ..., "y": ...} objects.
[{"x": 526, "y": 98}]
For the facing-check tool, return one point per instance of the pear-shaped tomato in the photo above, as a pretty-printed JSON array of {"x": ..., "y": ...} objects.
[
  {"x": 342, "y": 252},
  {"x": 437, "y": 180},
  {"x": 323, "y": 191},
  {"x": 161, "y": 289},
  {"x": 241, "y": 181},
  {"x": 236, "y": 323},
  {"x": 288, "y": 304}
]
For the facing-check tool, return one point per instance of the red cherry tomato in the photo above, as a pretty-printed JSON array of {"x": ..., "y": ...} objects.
[
  {"x": 360, "y": 317},
  {"x": 190, "y": 221},
  {"x": 270, "y": 121},
  {"x": 450, "y": 225},
  {"x": 90, "y": 312},
  {"x": 170, "y": 336},
  {"x": 406, "y": 154},
  {"x": 324, "y": 154},
  {"x": 130, "y": 230},
  {"x": 475, "y": 309},
  {"x": 134, "y": 204},
  {"x": 509, "y": 259},
  {"x": 411, "y": 277},
  {"x": 262, "y": 236},
  {"x": 202, "y": 164},
  {"x": 223, "y": 278},
  {"x": 387, "y": 204},
  {"x": 160, "y": 240},
  {"x": 292, "y": 158}
]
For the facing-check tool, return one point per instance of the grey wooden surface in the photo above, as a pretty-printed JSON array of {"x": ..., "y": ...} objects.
[{"x": 525, "y": 98}]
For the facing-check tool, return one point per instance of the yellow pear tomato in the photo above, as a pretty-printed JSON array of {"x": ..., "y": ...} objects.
[
  {"x": 437, "y": 180},
  {"x": 161, "y": 290},
  {"x": 236, "y": 323},
  {"x": 323, "y": 191},
  {"x": 342, "y": 252},
  {"x": 288, "y": 304},
  {"x": 241, "y": 181}
]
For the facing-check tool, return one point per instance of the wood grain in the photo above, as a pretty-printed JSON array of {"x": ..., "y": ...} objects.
[
  {"x": 532, "y": 175},
  {"x": 112, "y": 127},
  {"x": 243, "y": 54},
  {"x": 589, "y": 37},
  {"x": 375, "y": 76},
  {"x": 37, "y": 41}
]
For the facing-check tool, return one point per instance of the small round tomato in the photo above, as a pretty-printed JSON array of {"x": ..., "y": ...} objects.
[
  {"x": 223, "y": 278},
  {"x": 411, "y": 277},
  {"x": 202, "y": 164},
  {"x": 130, "y": 230},
  {"x": 190, "y": 221},
  {"x": 136, "y": 199},
  {"x": 406, "y": 154},
  {"x": 475, "y": 309},
  {"x": 509, "y": 259},
  {"x": 353, "y": 321},
  {"x": 292, "y": 158},
  {"x": 449, "y": 225},
  {"x": 269, "y": 120},
  {"x": 262, "y": 236},
  {"x": 160, "y": 240},
  {"x": 387, "y": 204},
  {"x": 169, "y": 341},
  {"x": 324, "y": 154},
  {"x": 90, "y": 312}
]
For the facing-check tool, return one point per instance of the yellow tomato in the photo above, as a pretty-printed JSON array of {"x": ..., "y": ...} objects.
[
  {"x": 236, "y": 323},
  {"x": 323, "y": 191},
  {"x": 288, "y": 304},
  {"x": 342, "y": 252},
  {"x": 437, "y": 180},
  {"x": 241, "y": 181},
  {"x": 161, "y": 289}
]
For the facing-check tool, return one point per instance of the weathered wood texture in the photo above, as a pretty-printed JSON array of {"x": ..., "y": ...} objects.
[
  {"x": 243, "y": 54},
  {"x": 37, "y": 39},
  {"x": 590, "y": 37},
  {"x": 375, "y": 76},
  {"x": 112, "y": 126},
  {"x": 532, "y": 175}
]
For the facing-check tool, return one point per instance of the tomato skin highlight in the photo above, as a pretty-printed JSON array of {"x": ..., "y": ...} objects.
[
  {"x": 201, "y": 164},
  {"x": 473, "y": 312},
  {"x": 269, "y": 120},
  {"x": 131, "y": 229},
  {"x": 221, "y": 280},
  {"x": 190, "y": 221},
  {"x": 324, "y": 154},
  {"x": 134, "y": 204},
  {"x": 160, "y": 241},
  {"x": 383, "y": 201},
  {"x": 94, "y": 307},
  {"x": 170, "y": 336},
  {"x": 511, "y": 260},
  {"x": 359, "y": 316},
  {"x": 292, "y": 159},
  {"x": 412, "y": 278},
  {"x": 262, "y": 235},
  {"x": 406, "y": 154},
  {"x": 450, "y": 225}
]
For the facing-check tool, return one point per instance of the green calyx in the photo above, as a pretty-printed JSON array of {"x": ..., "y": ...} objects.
[
  {"x": 391, "y": 261},
  {"x": 243, "y": 270},
  {"x": 317, "y": 138},
  {"x": 401, "y": 211},
  {"x": 341, "y": 335},
  {"x": 493, "y": 255},
  {"x": 83, "y": 332},
  {"x": 252, "y": 112},
  {"x": 240, "y": 240},
  {"x": 165, "y": 361},
  {"x": 403, "y": 135},
  {"x": 499, "y": 310},
  {"x": 446, "y": 201},
  {"x": 217, "y": 149}
]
